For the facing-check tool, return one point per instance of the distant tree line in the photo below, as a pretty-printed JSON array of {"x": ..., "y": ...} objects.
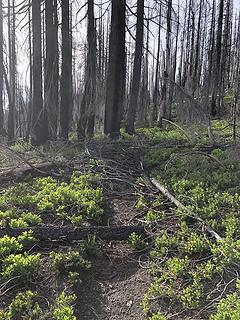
[{"x": 142, "y": 62}]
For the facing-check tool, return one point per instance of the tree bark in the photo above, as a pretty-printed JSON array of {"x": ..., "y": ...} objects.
[
  {"x": 39, "y": 117},
  {"x": 217, "y": 68},
  {"x": 51, "y": 67},
  {"x": 134, "y": 93},
  {"x": 12, "y": 71},
  {"x": 2, "y": 131},
  {"x": 66, "y": 76},
  {"x": 88, "y": 105},
  {"x": 29, "y": 108},
  {"x": 156, "y": 86},
  {"x": 115, "y": 87}
]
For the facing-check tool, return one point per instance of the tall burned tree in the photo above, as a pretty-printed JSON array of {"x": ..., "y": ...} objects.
[
  {"x": 217, "y": 68},
  {"x": 135, "y": 84},
  {"x": 51, "y": 66},
  {"x": 115, "y": 87},
  {"x": 12, "y": 70},
  {"x": 39, "y": 133},
  {"x": 165, "y": 108},
  {"x": 30, "y": 100},
  {"x": 88, "y": 104},
  {"x": 66, "y": 75},
  {"x": 1, "y": 71},
  {"x": 156, "y": 85}
]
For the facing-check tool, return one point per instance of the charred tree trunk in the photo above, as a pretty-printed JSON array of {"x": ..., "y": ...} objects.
[
  {"x": 88, "y": 105},
  {"x": 2, "y": 131},
  {"x": 156, "y": 86},
  {"x": 165, "y": 108},
  {"x": 39, "y": 119},
  {"x": 66, "y": 76},
  {"x": 116, "y": 71},
  {"x": 51, "y": 67},
  {"x": 30, "y": 102},
  {"x": 12, "y": 70},
  {"x": 131, "y": 115},
  {"x": 218, "y": 55}
]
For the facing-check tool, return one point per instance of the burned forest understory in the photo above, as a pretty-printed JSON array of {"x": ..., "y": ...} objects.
[
  {"x": 119, "y": 160},
  {"x": 105, "y": 230}
]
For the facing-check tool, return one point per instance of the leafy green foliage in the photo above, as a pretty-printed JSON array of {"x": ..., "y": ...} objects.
[
  {"x": 90, "y": 245},
  {"x": 186, "y": 263},
  {"x": 136, "y": 241},
  {"x": 68, "y": 261},
  {"x": 228, "y": 308},
  {"x": 157, "y": 135},
  {"x": 11, "y": 245},
  {"x": 23, "y": 306},
  {"x": 64, "y": 309},
  {"x": 80, "y": 198},
  {"x": 158, "y": 316},
  {"x": 21, "y": 267}
]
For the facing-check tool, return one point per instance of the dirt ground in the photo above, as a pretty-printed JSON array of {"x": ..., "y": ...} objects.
[{"x": 115, "y": 287}]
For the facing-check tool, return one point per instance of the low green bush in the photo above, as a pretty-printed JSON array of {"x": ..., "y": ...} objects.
[{"x": 22, "y": 268}]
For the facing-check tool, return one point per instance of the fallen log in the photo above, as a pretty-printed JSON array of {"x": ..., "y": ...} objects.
[
  {"x": 36, "y": 170},
  {"x": 69, "y": 233},
  {"x": 190, "y": 213}
]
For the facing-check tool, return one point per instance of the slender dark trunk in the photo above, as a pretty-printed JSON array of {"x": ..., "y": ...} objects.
[
  {"x": 2, "y": 131},
  {"x": 156, "y": 86},
  {"x": 66, "y": 76},
  {"x": 12, "y": 71},
  {"x": 30, "y": 104},
  {"x": 218, "y": 55},
  {"x": 51, "y": 67},
  {"x": 135, "y": 85},
  {"x": 116, "y": 76},
  {"x": 39, "y": 117},
  {"x": 88, "y": 105}
]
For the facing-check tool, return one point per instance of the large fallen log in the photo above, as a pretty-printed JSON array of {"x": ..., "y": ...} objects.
[
  {"x": 36, "y": 170},
  {"x": 190, "y": 213},
  {"x": 69, "y": 233}
]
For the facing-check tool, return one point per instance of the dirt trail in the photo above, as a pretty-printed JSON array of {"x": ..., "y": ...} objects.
[{"x": 115, "y": 287}]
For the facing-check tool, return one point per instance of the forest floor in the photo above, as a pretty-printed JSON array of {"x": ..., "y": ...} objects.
[{"x": 176, "y": 269}]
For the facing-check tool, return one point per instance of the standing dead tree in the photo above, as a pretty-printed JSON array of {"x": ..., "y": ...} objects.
[
  {"x": 135, "y": 84},
  {"x": 88, "y": 104},
  {"x": 51, "y": 67},
  {"x": 39, "y": 134},
  {"x": 66, "y": 76},
  {"x": 115, "y": 87}
]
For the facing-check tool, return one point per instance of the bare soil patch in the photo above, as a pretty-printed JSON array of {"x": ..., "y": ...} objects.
[{"x": 115, "y": 287}]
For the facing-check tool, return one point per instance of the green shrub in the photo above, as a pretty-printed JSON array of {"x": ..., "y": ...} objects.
[
  {"x": 21, "y": 267},
  {"x": 158, "y": 316},
  {"x": 64, "y": 309},
  {"x": 23, "y": 306},
  {"x": 68, "y": 261},
  {"x": 136, "y": 241},
  {"x": 228, "y": 308},
  {"x": 11, "y": 245},
  {"x": 74, "y": 201}
]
